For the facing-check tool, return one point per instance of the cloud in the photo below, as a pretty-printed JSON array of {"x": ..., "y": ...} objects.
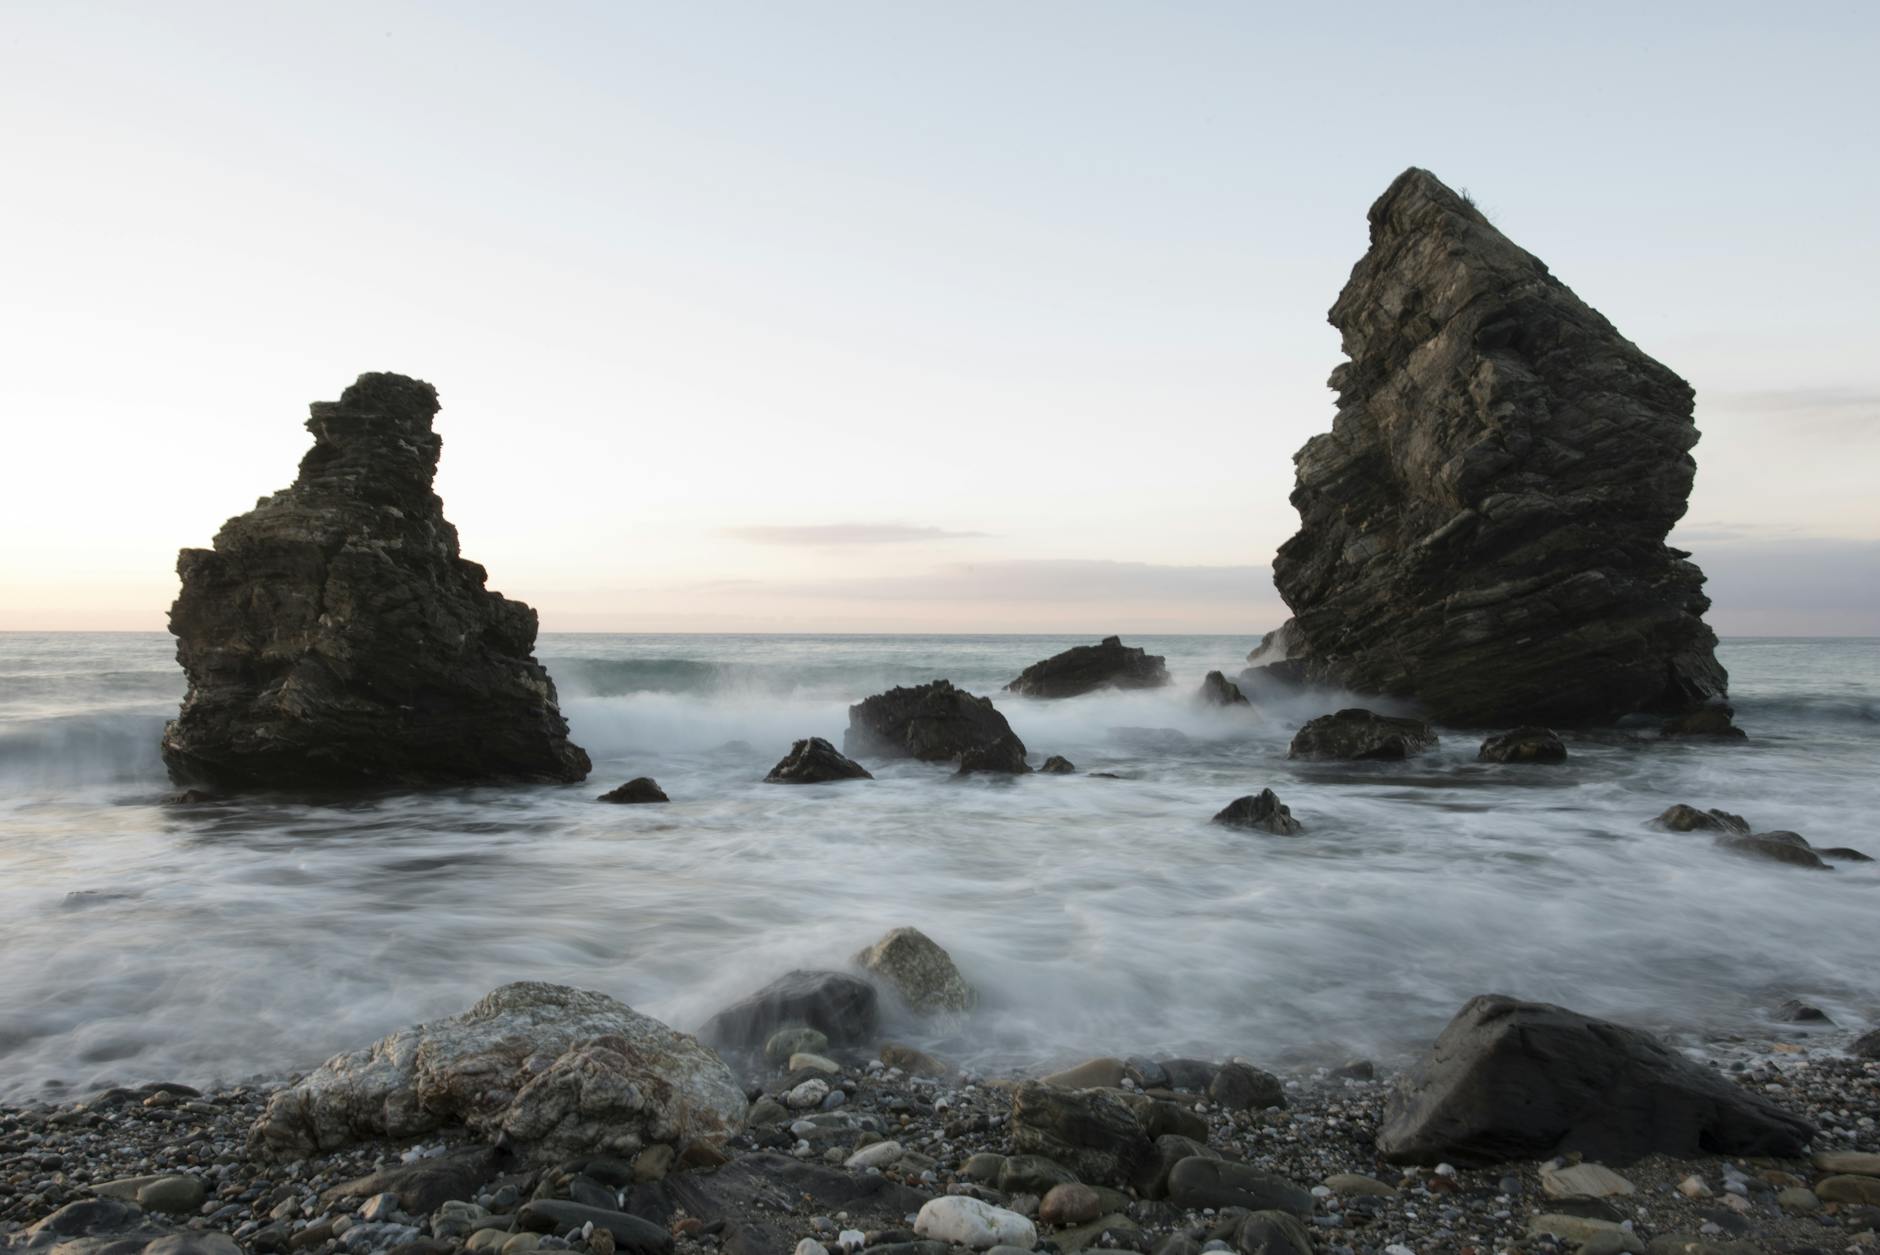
[
  {"x": 1781, "y": 585},
  {"x": 1791, "y": 400},
  {"x": 1053, "y": 579},
  {"x": 821, "y": 534}
]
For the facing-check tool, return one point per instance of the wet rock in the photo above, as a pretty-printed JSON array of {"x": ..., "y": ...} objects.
[
  {"x": 1482, "y": 531},
  {"x": 933, "y": 722},
  {"x": 1263, "y": 811},
  {"x": 637, "y": 790},
  {"x": 1243, "y": 1087},
  {"x": 1104, "y": 1073},
  {"x": 1057, "y": 765},
  {"x": 1867, "y": 1045},
  {"x": 631, "y": 1233},
  {"x": 1003, "y": 758},
  {"x": 1199, "y": 1182},
  {"x": 555, "y": 1073},
  {"x": 1356, "y": 735},
  {"x": 844, "y": 1009},
  {"x": 919, "y": 970},
  {"x": 1711, "y": 721},
  {"x": 1510, "y": 1079},
  {"x": 1529, "y": 744},
  {"x": 1090, "y": 1131},
  {"x": 1087, "y": 668},
  {"x": 1841, "y": 854},
  {"x": 815, "y": 761},
  {"x": 1169, "y": 1150},
  {"x": 425, "y": 1185},
  {"x": 334, "y": 636},
  {"x": 973, "y": 1224},
  {"x": 1218, "y": 690},
  {"x": 752, "y": 1183},
  {"x": 1070, "y": 1203},
  {"x": 1775, "y": 847},
  {"x": 1272, "y": 1233},
  {"x": 795, "y": 1039},
  {"x": 1356, "y": 1185},
  {"x": 1682, "y": 818},
  {"x": 1795, "y": 1011},
  {"x": 1146, "y": 1073},
  {"x": 1849, "y": 1188}
]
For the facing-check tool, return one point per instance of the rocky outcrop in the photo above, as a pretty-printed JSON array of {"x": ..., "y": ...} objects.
[
  {"x": 552, "y": 1072},
  {"x": 1355, "y": 735},
  {"x": 910, "y": 962},
  {"x": 1262, "y": 810},
  {"x": 841, "y": 1007},
  {"x": 815, "y": 761},
  {"x": 1482, "y": 531},
  {"x": 1110, "y": 664},
  {"x": 1523, "y": 745},
  {"x": 638, "y": 790},
  {"x": 1525, "y": 1080},
  {"x": 334, "y": 636},
  {"x": 935, "y": 723},
  {"x": 1218, "y": 690}
]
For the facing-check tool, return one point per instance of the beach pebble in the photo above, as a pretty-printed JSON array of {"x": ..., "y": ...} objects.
[
  {"x": 971, "y": 1223},
  {"x": 806, "y": 1095}
]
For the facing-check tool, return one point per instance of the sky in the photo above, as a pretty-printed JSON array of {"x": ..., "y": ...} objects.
[{"x": 925, "y": 317}]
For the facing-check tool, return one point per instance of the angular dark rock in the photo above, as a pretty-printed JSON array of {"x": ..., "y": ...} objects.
[
  {"x": 1170, "y": 1149},
  {"x": 841, "y": 1007},
  {"x": 1002, "y": 757},
  {"x": 425, "y": 1184},
  {"x": 1086, "y": 668},
  {"x": 1714, "y": 721},
  {"x": 1218, "y": 690},
  {"x": 815, "y": 761},
  {"x": 1092, "y": 1132},
  {"x": 1775, "y": 847},
  {"x": 631, "y": 1233},
  {"x": 1357, "y": 734},
  {"x": 1525, "y": 1080},
  {"x": 637, "y": 790},
  {"x": 1243, "y": 1087},
  {"x": 1262, "y": 810},
  {"x": 1682, "y": 818},
  {"x": 1216, "y": 1183},
  {"x": 1530, "y": 744},
  {"x": 1867, "y": 1045},
  {"x": 1058, "y": 765},
  {"x": 334, "y": 636},
  {"x": 1482, "y": 531},
  {"x": 933, "y": 722}
]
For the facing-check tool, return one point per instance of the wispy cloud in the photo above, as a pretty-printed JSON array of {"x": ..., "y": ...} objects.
[
  {"x": 817, "y": 535},
  {"x": 1053, "y": 579}
]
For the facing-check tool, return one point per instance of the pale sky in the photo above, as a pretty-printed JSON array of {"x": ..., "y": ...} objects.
[{"x": 902, "y": 317}]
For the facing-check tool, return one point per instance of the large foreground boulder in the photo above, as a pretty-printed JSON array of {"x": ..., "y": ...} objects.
[
  {"x": 935, "y": 723},
  {"x": 1482, "y": 531},
  {"x": 553, "y": 1073},
  {"x": 335, "y": 636},
  {"x": 1087, "y": 668},
  {"x": 1357, "y": 735},
  {"x": 845, "y": 1009},
  {"x": 1526, "y": 1080}
]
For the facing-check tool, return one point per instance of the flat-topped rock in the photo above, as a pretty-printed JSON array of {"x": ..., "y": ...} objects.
[
  {"x": 1109, "y": 664},
  {"x": 1356, "y": 735},
  {"x": 933, "y": 722}
]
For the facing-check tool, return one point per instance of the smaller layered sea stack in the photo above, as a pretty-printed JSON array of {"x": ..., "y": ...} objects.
[
  {"x": 1482, "y": 531},
  {"x": 335, "y": 637},
  {"x": 1087, "y": 668}
]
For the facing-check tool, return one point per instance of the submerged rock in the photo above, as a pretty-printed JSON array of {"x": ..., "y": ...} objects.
[
  {"x": 1058, "y": 765},
  {"x": 1524, "y": 745},
  {"x": 1775, "y": 847},
  {"x": 554, "y": 1072},
  {"x": 815, "y": 761},
  {"x": 1264, "y": 811},
  {"x": 841, "y": 1007},
  {"x": 1218, "y": 690},
  {"x": 637, "y": 790},
  {"x": 1482, "y": 531},
  {"x": 1086, "y": 668},
  {"x": 334, "y": 636},
  {"x": 933, "y": 722},
  {"x": 1002, "y": 757},
  {"x": 1358, "y": 734},
  {"x": 919, "y": 970},
  {"x": 1682, "y": 818},
  {"x": 1710, "y": 721},
  {"x": 1524, "y": 1080}
]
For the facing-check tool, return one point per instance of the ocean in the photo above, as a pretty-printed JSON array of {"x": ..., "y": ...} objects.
[{"x": 212, "y": 943}]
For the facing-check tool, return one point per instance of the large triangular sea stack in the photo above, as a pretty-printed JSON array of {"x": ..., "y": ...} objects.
[
  {"x": 1482, "y": 531},
  {"x": 334, "y": 635}
]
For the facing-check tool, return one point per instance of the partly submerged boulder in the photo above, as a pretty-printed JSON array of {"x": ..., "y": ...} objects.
[
  {"x": 1086, "y": 668},
  {"x": 1775, "y": 847},
  {"x": 1058, "y": 765},
  {"x": 815, "y": 761},
  {"x": 933, "y": 722},
  {"x": 1093, "y": 1132},
  {"x": 1218, "y": 690},
  {"x": 1483, "y": 530},
  {"x": 640, "y": 789},
  {"x": 919, "y": 970},
  {"x": 843, "y": 1008},
  {"x": 553, "y": 1073},
  {"x": 1525, "y": 1080},
  {"x": 1262, "y": 810},
  {"x": 1530, "y": 744},
  {"x": 1359, "y": 734},
  {"x": 335, "y": 636},
  {"x": 1715, "y": 722},
  {"x": 1682, "y": 818}
]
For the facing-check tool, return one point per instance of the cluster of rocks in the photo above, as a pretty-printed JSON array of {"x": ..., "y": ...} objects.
[{"x": 1733, "y": 833}]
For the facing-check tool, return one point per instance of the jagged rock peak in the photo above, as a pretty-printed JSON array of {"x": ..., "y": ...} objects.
[
  {"x": 1482, "y": 531},
  {"x": 334, "y": 636}
]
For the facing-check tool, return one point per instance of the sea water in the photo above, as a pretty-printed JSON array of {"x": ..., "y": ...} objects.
[{"x": 253, "y": 937}]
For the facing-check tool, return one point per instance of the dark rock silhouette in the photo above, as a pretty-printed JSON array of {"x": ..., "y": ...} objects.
[
  {"x": 1482, "y": 531},
  {"x": 1682, "y": 818},
  {"x": 1530, "y": 744},
  {"x": 1058, "y": 765},
  {"x": 815, "y": 761},
  {"x": 1218, "y": 690},
  {"x": 841, "y": 1007},
  {"x": 1525, "y": 1080},
  {"x": 334, "y": 636},
  {"x": 1708, "y": 721},
  {"x": 1262, "y": 810},
  {"x": 638, "y": 789},
  {"x": 1358, "y": 734},
  {"x": 1086, "y": 668},
  {"x": 1776, "y": 847},
  {"x": 936, "y": 723}
]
